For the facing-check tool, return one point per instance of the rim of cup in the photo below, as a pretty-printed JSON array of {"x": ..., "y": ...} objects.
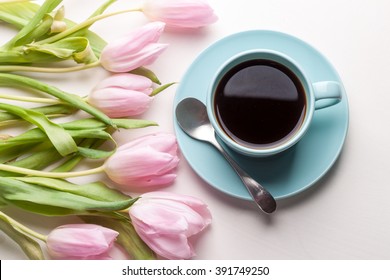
[{"x": 288, "y": 62}]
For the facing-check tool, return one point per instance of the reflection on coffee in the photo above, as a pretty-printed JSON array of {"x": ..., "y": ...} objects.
[{"x": 260, "y": 103}]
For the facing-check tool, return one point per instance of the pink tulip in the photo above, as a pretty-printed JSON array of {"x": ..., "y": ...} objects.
[
  {"x": 180, "y": 14},
  {"x": 145, "y": 162},
  {"x": 165, "y": 221},
  {"x": 138, "y": 48},
  {"x": 80, "y": 241},
  {"x": 122, "y": 95}
]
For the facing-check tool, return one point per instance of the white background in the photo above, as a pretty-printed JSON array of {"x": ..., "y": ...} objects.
[{"x": 347, "y": 214}]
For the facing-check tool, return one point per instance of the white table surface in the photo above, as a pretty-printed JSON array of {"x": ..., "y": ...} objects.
[{"x": 344, "y": 216}]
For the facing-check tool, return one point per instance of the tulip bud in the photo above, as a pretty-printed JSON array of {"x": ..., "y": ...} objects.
[
  {"x": 138, "y": 48},
  {"x": 145, "y": 162},
  {"x": 122, "y": 95},
  {"x": 80, "y": 241},
  {"x": 180, "y": 13},
  {"x": 165, "y": 221}
]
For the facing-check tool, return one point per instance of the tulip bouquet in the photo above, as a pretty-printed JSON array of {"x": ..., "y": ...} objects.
[{"x": 35, "y": 165}]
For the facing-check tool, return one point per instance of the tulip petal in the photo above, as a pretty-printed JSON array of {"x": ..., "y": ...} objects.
[
  {"x": 157, "y": 210},
  {"x": 117, "y": 102},
  {"x": 164, "y": 232},
  {"x": 164, "y": 222},
  {"x": 180, "y": 14},
  {"x": 80, "y": 241},
  {"x": 127, "y": 165},
  {"x": 173, "y": 247},
  {"x": 144, "y": 162},
  {"x": 162, "y": 142},
  {"x": 137, "y": 49},
  {"x": 147, "y": 34},
  {"x": 126, "y": 81},
  {"x": 152, "y": 181},
  {"x": 193, "y": 202},
  {"x": 131, "y": 61},
  {"x": 155, "y": 219}
]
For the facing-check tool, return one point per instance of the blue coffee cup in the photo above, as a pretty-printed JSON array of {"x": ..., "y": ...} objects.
[{"x": 318, "y": 95}]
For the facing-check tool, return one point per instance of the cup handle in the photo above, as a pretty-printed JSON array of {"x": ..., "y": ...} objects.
[{"x": 328, "y": 91}]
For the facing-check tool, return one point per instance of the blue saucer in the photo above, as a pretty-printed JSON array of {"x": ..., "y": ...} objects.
[{"x": 283, "y": 175}]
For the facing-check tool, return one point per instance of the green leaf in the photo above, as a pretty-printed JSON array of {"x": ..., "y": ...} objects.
[
  {"x": 96, "y": 190},
  {"x": 18, "y": 14},
  {"x": 12, "y": 153},
  {"x": 17, "y": 57},
  {"x": 58, "y": 109},
  {"x": 96, "y": 42},
  {"x": 82, "y": 124},
  {"x": 128, "y": 237},
  {"x": 52, "y": 198},
  {"x": 58, "y": 51},
  {"x": 29, "y": 137},
  {"x": 91, "y": 133},
  {"x": 41, "y": 30},
  {"x": 142, "y": 71},
  {"x": 69, "y": 164},
  {"x": 133, "y": 123},
  {"x": 36, "y": 135},
  {"x": 61, "y": 140},
  {"x": 120, "y": 123},
  {"x": 46, "y": 7},
  {"x": 72, "y": 99},
  {"x": 37, "y": 160},
  {"x": 47, "y": 210},
  {"x": 11, "y": 19},
  {"x": 29, "y": 246},
  {"x": 3, "y": 203},
  {"x": 94, "y": 153},
  {"x": 160, "y": 89},
  {"x": 51, "y": 111},
  {"x": 76, "y": 48}
]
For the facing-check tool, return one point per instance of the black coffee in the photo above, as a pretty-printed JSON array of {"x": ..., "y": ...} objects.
[{"x": 260, "y": 103}]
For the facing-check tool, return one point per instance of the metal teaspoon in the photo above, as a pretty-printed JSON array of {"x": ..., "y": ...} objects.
[{"x": 192, "y": 117}]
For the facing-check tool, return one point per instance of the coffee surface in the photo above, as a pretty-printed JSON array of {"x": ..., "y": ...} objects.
[{"x": 260, "y": 103}]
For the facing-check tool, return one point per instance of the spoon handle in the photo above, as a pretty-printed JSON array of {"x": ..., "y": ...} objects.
[{"x": 260, "y": 195}]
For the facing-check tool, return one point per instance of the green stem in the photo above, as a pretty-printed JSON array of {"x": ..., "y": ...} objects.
[
  {"x": 20, "y": 68},
  {"x": 30, "y": 99},
  {"x": 83, "y": 25},
  {"x": 22, "y": 227},
  {"x": 31, "y": 172}
]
